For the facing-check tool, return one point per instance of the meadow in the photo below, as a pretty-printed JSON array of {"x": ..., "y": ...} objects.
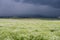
[{"x": 29, "y": 29}]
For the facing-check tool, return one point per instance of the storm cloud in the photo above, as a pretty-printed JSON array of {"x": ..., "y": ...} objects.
[
  {"x": 52, "y": 3},
  {"x": 46, "y": 8}
]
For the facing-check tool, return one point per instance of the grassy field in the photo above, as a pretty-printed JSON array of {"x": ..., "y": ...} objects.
[{"x": 29, "y": 29}]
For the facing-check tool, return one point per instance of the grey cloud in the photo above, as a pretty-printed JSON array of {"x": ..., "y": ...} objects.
[
  {"x": 53, "y": 3},
  {"x": 22, "y": 8}
]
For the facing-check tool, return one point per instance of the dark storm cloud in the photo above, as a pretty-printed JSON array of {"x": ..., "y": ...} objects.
[
  {"x": 53, "y": 3},
  {"x": 48, "y": 8}
]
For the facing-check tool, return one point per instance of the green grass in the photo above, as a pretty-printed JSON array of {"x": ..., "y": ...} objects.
[{"x": 29, "y": 29}]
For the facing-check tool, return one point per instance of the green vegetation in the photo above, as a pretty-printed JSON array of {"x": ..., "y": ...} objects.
[{"x": 29, "y": 29}]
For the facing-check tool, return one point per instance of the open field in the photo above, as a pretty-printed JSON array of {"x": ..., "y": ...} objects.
[{"x": 29, "y": 29}]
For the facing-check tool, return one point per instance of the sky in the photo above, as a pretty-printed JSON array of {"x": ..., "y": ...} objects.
[{"x": 45, "y": 8}]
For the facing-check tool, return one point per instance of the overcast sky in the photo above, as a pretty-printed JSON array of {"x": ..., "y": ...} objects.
[{"x": 49, "y": 8}]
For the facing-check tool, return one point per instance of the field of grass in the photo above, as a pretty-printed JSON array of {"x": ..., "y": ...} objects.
[{"x": 29, "y": 29}]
